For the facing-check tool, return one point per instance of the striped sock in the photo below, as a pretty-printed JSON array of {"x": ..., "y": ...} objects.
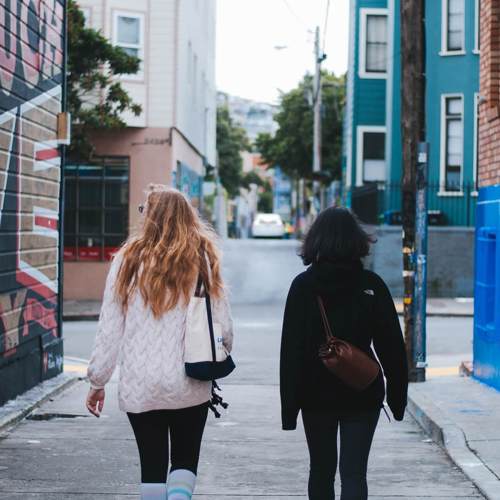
[
  {"x": 180, "y": 484},
  {"x": 153, "y": 491}
]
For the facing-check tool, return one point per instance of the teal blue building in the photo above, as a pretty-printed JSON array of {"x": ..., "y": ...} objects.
[{"x": 372, "y": 138}]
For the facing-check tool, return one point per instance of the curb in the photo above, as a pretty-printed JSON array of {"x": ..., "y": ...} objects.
[
  {"x": 439, "y": 314},
  {"x": 451, "y": 438},
  {"x": 444, "y": 314},
  {"x": 15, "y": 410}
]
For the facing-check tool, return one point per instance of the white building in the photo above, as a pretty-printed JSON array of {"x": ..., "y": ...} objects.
[
  {"x": 171, "y": 142},
  {"x": 255, "y": 117}
]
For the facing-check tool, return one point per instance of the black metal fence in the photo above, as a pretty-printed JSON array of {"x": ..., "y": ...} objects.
[{"x": 378, "y": 203}]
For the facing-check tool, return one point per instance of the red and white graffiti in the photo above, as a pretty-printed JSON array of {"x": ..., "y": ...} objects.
[{"x": 40, "y": 59}]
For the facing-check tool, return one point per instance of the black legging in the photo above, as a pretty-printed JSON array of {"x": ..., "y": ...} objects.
[
  {"x": 356, "y": 435},
  {"x": 151, "y": 431}
]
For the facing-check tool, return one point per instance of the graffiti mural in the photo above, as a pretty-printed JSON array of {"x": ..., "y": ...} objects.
[{"x": 31, "y": 63}]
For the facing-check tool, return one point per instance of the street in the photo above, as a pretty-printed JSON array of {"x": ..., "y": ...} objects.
[{"x": 63, "y": 453}]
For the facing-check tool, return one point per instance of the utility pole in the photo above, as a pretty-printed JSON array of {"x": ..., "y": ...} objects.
[
  {"x": 412, "y": 15},
  {"x": 319, "y": 57},
  {"x": 420, "y": 308}
]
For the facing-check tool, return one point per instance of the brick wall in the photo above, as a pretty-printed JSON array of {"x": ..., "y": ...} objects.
[
  {"x": 31, "y": 62},
  {"x": 489, "y": 109}
]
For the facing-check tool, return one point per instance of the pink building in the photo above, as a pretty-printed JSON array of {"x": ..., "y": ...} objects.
[{"x": 171, "y": 142}]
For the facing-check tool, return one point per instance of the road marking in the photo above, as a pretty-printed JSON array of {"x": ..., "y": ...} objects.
[
  {"x": 71, "y": 368},
  {"x": 442, "y": 371}
]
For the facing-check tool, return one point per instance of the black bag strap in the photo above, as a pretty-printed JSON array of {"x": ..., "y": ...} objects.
[{"x": 210, "y": 325}]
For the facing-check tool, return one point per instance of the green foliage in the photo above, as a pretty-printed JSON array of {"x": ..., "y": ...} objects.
[
  {"x": 265, "y": 203},
  {"x": 251, "y": 178},
  {"x": 292, "y": 146},
  {"x": 96, "y": 98},
  {"x": 231, "y": 140}
]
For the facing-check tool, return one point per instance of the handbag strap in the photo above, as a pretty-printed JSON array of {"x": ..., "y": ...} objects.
[
  {"x": 324, "y": 318},
  {"x": 210, "y": 325}
]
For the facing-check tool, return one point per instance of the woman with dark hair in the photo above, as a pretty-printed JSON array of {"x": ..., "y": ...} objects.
[{"x": 360, "y": 310}]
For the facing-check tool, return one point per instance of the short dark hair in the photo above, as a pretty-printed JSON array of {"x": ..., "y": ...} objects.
[{"x": 335, "y": 235}]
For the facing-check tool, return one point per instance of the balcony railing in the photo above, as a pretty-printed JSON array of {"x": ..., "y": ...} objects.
[{"x": 377, "y": 203}]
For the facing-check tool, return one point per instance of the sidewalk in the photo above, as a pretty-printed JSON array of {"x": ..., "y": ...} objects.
[
  {"x": 463, "y": 416},
  {"x": 62, "y": 453},
  {"x": 89, "y": 310}
]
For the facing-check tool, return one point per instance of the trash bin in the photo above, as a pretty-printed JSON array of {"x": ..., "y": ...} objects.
[
  {"x": 487, "y": 288},
  {"x": 364, "y": 203},
  {"x": 436, "y": 218},
  {"x": 393, "y": 217}
]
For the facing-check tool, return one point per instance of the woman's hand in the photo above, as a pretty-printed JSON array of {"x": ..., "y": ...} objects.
[{"x": 95, "y": 401}]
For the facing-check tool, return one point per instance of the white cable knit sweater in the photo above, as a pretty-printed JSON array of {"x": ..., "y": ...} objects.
[{"x": 150, "y": 352}]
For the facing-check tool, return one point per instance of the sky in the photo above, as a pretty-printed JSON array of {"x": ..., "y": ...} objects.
[{"x": 248, "y": 64}]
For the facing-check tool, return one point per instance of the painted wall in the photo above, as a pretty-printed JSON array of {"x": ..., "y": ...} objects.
[
  {"x": 31, "y": 62},
  {"x": 450, "y": 74},
  {"x": 446, "y": 74},
  {"x": 176, "y": 85},
  {"x": 365, "y": 96},
  {"x": 150, "y": 156}
]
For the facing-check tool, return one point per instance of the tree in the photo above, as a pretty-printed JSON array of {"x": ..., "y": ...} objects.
[
  {"x": 251, "y": 177},
  {"x": 96, "y": 99},
  {"x": 231, "y": 140},
  {"x": 291, "y": 146}
]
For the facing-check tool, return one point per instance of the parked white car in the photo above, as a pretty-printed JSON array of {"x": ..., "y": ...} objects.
[{"x": 268, "y": 226}]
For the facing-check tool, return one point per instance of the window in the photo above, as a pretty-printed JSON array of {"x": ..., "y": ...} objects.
[
  {"x": 453, "y": 27},
  {"x": 371, "y": 155},
  {"x": 96, "y": 209},
  {"x": 129, "y": 35},
  {"x": 373, "y": 43},
  {"x": 452, "y": 144}
]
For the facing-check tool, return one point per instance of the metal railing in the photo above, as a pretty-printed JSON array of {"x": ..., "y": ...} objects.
[{"x": 377, "y": 203}]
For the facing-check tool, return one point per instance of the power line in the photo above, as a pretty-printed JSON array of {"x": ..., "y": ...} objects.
[
  {"x": 325, "y": 27},
  {"x": 295, "y": 15}
]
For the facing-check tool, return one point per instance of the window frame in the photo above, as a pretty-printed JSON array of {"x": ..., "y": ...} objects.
[
  {"x": 444, "y": 32},
  {"x": 477, "y": 27},
  {"x": 360, "y": 147},
  {"x": 443, "y": 146},
  {"x": 475, "y": 160},
  {"x": 363, "y": 24},
  {"x": 103, "y": 163},
  {"x": 139, "y": 76}
]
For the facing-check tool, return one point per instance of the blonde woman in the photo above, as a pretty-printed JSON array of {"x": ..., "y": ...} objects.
[{"x": 142, "y": 324}]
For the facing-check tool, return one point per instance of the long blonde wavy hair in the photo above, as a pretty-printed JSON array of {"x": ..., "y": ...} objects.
[{"x": 172, "y": 249}]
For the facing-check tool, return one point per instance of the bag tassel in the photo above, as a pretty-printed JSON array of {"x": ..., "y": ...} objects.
[{"x": 216, "y": 400}]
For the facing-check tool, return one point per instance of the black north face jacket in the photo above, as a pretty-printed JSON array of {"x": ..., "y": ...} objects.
[{"x": 360, "y": 310}]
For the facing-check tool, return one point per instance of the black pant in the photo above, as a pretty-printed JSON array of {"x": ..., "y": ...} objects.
[
  {"x": 356, "y": 435},
  {"x": 151, "y": 431}
]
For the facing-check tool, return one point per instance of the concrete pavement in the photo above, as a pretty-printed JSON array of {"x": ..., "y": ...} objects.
[
  {"x": 62, "y": 453},
  {"x": 462, "y": 415}
]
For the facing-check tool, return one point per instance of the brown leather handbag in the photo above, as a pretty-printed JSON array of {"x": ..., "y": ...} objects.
[{"x": 346, "y": 361}]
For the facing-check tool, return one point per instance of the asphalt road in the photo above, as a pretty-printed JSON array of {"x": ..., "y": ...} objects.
[{"x": 67, "y": 455}]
